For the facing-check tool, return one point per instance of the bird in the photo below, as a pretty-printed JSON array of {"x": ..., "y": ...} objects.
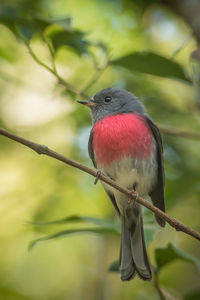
[{"x": 126, "y": 145}]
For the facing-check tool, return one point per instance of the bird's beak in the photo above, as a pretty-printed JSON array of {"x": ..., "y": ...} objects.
[{"x": 89, "y": 103}]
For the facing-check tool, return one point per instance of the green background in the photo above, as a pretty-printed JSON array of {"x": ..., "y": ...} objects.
[{"x": 147, "y": 49}]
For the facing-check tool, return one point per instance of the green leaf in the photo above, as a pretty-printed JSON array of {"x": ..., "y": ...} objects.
[
  {"x": 9, "y": 16},
  {"x": 19, "y": 25},
  {"x": 64, "y": 233},
  {"x": 74, "y": 39},
  {"x": 45, "y": 22},
  {"x": 82, "y": 219},
  {"x": 151, "y": 63},
  {"x": 8, "y": 293},
  {"x": 195, "y": 295},
  {"x": 149, "y": 232},
  {"x": 106, "y": 227},
  {"x": 26, "y": 24},
  {"x": 166, "y": 255},
  {"x": 19, "y": 22},
  {"x": 114, "y": 267},
  {"x": 8, "y": 54}
]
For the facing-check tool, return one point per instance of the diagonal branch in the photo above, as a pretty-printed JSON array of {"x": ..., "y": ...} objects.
[
  {"x": 55, "y": 73},
  {"x": 41, "y": 149}
]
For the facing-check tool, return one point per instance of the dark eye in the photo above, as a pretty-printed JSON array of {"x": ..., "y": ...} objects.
[{"x": 108, "y": 99}]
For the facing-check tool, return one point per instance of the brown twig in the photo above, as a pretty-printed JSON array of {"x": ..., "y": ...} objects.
[
  {"x": 55, "y": 73},
  {"x": 157, "y": 285},
  {"x": 41, "y": 149},
  {"x": 162, "y": 293},
  {"x": 96, "y": 76},
  {"x": 83, "y": 94},
  {"x": 170, "y": 296},
  {"x": 189, "y": 11},
  {"x": 180, "y": 133}
]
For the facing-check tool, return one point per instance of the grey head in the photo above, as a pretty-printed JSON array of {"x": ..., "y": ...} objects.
[{"x": 112, "y": 101}]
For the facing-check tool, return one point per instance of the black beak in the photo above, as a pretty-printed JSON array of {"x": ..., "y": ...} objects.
[{"x": 89, "y": 103}]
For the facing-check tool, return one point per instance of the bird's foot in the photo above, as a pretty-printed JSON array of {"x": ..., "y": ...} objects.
[
  {"x": 135, "y": 195},
  {"x": 98, "y": 173}
]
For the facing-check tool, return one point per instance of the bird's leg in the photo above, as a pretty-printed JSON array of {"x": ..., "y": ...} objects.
[
  {"x": 134, "y": 193},
  {"x": 98, "y": 173}
]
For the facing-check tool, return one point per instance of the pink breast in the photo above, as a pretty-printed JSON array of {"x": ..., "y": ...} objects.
[{"x": 122, "y": 135}]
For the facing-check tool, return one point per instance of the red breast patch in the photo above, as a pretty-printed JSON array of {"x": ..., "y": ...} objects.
[{"x": 121, "y": 135}]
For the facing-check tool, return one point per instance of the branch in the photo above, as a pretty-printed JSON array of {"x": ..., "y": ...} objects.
[
  {"x": 83, "y": 94},
  {"x": 156, "y": 284},
  {"x": 180, "y": 133},
  {"x": 169, "y": 296},
  {"x": 41, "y": 149},
  {"x": 97, "y": 75},
  {"x": 189, "y": 11},
  {"x": 55, "y": 73},
  {"x": 162, "y": 293}
]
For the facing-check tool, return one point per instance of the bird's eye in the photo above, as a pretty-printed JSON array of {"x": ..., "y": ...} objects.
[{"x": 108, "y": 99}]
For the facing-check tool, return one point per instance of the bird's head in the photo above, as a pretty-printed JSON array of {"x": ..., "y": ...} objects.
[{"x": 112, "y": 101}]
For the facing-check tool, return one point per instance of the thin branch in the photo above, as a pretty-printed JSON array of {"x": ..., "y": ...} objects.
[
  {"x": 169, "y": 296},
  {"x": 83, "y": 94},
  {"x": 157, "y": 286},
  {"x": 97, "y": 75},
  {"x": 41, "y": 149},
  {"x": 162, "y": 293},
  {"x": 55, "y": 73},
  {"x": 180, "y": 133},
  {"x": 37, "y": 60},
  {"x": 51, "y": 51},
  {"x": 181, "y": 47},
  {"x": 190, "y": 14}
]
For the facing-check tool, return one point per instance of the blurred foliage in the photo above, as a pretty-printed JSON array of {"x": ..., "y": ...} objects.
[
  {"x": 52, "y": 53},
  {"x": 166, "y": 255},
  {"x": 151, "y": 63},
  {"x": 104, "y": 227}
]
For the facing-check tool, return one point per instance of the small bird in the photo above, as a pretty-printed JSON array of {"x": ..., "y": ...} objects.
[{"x": 126, "y": 145}]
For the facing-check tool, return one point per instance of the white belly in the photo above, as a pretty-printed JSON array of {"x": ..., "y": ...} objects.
[{"x": 129, "y": 172}]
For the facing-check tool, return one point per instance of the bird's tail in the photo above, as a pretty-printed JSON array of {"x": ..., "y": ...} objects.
[{"x": 133, "y": 255}]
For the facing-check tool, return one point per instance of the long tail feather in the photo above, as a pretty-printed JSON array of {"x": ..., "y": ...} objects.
[
  {"x": 138, "y": 250},
  {"x": 127, "y": 267},
  {"x": 133, "y": 255}
]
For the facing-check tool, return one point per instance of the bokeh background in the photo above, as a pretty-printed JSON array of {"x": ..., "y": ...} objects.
[{"x": 146, "y": 47}]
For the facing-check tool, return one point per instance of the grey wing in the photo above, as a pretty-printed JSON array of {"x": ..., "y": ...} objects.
[
  {"x": 90, "y": 149},
  {"x": 92, "y": 156},
  {"x": 158, "y": 193}
]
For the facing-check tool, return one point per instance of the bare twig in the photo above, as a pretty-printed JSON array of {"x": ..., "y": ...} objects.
[
  {"x": 189, "y": 11},
  {"x": 55, "y": 73},
  {"x": 181, "y": 47},
  {"x": 83, "y": 94},
  {"x": 157, "y": 285},
  {"x": 162, "y": 293},
  {"x": 51, "y": 51},
  {"x": 180, "y": 133},
  {"x": 41, "y": 149},
  {"x": 170, "y": 296},
  {"x": 97, "y": 75}
]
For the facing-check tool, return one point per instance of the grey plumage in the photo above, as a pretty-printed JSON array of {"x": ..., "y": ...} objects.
[
  {"x": 157, "y": 194},
  {"x": 133, "y": 256},
  {"x": 118, "y": 105},
  {"x": 149, "y": 176}
]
